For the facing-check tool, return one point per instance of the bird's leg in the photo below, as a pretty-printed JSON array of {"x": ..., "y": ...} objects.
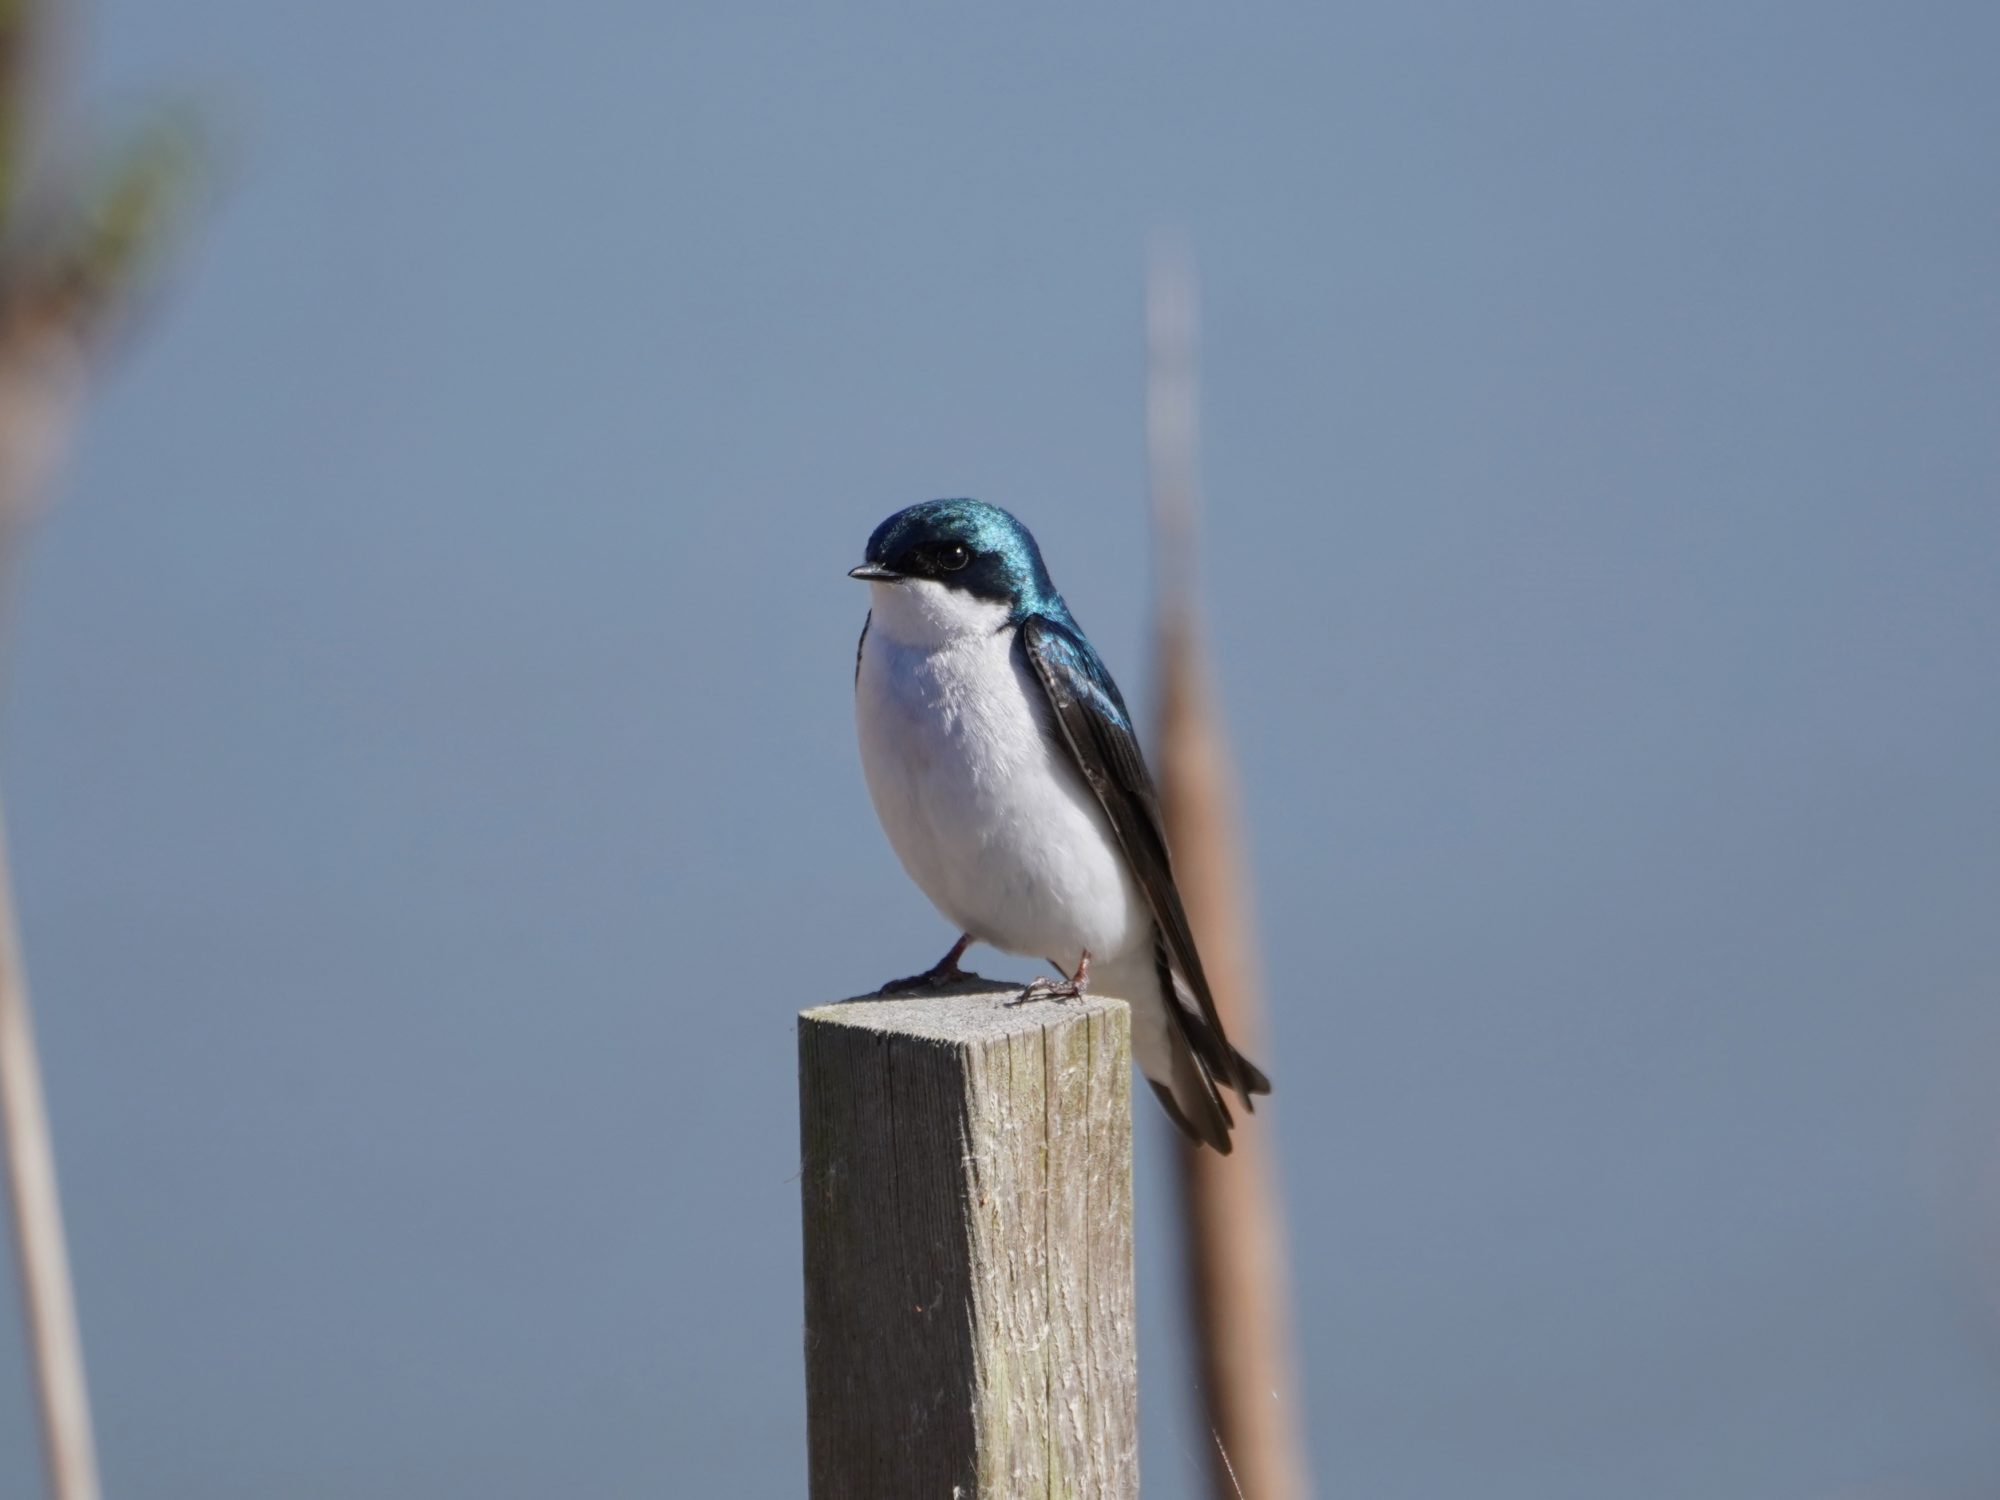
[
  {"x": 1074, "y": 987},
  {"x": 945, "y": 971}
]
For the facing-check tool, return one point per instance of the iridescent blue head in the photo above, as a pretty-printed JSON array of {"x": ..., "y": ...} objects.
[{"x": 965, "y": 545}]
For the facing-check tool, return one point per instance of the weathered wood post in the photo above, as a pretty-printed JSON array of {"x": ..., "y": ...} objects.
[{"x": 967, "y": 1193}]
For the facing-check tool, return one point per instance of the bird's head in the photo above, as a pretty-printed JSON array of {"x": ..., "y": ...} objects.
[{"x": 959, "y": 553}]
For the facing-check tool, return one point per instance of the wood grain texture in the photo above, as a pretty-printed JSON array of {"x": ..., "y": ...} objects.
[{"x": 967, "y": 1196}]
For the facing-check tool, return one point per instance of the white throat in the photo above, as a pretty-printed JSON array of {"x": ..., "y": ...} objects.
[{"x": 924, "y": 614}]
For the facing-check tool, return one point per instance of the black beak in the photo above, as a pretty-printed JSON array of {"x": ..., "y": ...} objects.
[{"x": 874, "y": 573}]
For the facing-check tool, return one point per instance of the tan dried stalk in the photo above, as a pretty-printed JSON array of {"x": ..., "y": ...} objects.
[{"x": 1239, "y": 1289}]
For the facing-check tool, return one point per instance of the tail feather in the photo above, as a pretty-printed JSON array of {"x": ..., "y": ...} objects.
[
  {"x": 1198, "y": 1061},
  {"x": 1188, "y": 1066},
  {"x": 1221, "y": 1061},
  {"x": 1254, "y": 1079}
]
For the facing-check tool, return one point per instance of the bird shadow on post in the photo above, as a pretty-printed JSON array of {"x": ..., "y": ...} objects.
[
  {"x": 1238, "y": 1285},
  {"x": 71, "y": 253},
  {"x": 966, "y": 1192}
]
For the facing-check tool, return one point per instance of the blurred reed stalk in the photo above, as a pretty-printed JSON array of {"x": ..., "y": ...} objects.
[
  {"x": 1239, "y": 1289},
  {"x": 70, "y": 254}
]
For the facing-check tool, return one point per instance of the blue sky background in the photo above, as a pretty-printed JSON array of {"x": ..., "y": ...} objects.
[{"x": 432, "y": 787}]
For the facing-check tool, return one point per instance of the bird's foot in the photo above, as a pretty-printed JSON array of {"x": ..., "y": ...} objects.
[
  {"x": 934, "y": 978},
  {"x": 1060, "y": 990},
  {"x": 944, "y": 972},
  {"x": 1049, "y": 989}
]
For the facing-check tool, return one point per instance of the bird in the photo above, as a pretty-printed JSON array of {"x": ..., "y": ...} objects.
[{"x": 1005, "y": 770}]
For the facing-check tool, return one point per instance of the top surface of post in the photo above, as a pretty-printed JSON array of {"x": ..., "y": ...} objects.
[{"x": 974, "y": 1009}]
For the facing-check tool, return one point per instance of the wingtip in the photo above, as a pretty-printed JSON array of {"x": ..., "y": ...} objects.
[{"x": 1215, "y": 1137}]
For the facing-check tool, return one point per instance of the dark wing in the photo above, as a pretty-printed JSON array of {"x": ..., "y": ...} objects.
[
  {"x": 867, "y": 620},
  {"x": 1091, "y": 714}
]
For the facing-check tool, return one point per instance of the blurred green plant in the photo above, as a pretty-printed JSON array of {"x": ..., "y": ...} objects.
[{"x": 73, "y": 253}]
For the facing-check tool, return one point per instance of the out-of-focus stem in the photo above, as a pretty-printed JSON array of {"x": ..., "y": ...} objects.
[
  {"x": 41, "y": 378},
  {"x": 1239, "y": 1288},
  {"x": 49, "y": 1303},
  {"x": 63, "y": 279}
]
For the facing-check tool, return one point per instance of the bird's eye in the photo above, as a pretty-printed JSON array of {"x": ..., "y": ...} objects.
[{"x": 954, "y": 557}]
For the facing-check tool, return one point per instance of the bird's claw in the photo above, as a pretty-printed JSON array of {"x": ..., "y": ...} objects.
[{"x": 1061, "y": 991}]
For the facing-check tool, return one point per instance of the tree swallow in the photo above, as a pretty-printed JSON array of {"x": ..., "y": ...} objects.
[{"x": 1004, "y": 767}]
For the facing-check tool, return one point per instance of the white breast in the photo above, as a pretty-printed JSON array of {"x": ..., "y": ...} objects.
[{"x": 985, "y": 810}]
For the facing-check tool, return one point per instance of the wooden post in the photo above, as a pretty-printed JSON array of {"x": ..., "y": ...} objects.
[{"x": 967, "y": 1194}]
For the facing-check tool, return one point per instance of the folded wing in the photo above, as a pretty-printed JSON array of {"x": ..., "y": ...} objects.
[{"x": 1097, "y": 729}]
